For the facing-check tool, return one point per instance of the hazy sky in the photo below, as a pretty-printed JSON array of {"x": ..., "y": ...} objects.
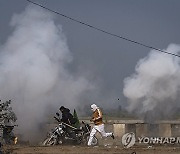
[{"x": 99, "y": 56}]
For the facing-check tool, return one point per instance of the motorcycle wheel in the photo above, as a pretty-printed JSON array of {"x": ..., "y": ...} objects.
[
  {"x": 94, "y": 141},
  {"x": 49, "y": 141}
]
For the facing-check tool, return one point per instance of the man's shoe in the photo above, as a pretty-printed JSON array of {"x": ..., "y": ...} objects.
[{"x": 112, "y": 136}]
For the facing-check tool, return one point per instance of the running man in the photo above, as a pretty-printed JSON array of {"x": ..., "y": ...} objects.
[{"x": 98, "y": 124}]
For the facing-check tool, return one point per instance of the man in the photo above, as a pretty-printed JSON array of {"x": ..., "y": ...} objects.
[
  {"x": 67, "y": 117},
  {"x": 98, "y": 124}
]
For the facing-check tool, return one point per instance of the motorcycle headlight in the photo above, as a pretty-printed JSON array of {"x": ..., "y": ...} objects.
[
  {"x": 61, "y": 131},
  {"x": 59, "y": 128}
]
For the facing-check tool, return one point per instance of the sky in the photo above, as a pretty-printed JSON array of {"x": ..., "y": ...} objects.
[{"x": 104, "y": 59}]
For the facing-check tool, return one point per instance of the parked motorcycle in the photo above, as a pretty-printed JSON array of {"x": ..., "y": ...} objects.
[
  {"x": 8, "y": 136},
  {"x": 65, "y": 134},
  {"x": 7, "y": 123}
]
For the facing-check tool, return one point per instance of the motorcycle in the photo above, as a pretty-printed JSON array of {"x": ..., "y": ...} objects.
[
  {"x": 8, "y": 135},
  {"x": 59, "y": 135}
]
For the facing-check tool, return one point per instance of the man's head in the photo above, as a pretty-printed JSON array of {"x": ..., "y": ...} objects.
[
  {"x": 62, "y": 108},
  {"x": 93, "y": 107}
]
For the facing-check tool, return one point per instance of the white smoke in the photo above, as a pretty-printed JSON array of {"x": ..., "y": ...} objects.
[
  {"x": 155, "y": 86},
  {"x": 33, "y": 70}
]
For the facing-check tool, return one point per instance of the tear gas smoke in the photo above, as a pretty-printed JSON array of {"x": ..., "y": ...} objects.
[
  {"x": 33, "y": 70},
  {"x": 153, "y": 90}
]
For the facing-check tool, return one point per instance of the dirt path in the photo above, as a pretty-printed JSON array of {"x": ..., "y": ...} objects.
[{"x": 87, "y": 150}]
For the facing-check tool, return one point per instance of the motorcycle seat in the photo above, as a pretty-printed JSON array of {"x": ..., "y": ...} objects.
[{"x": 77, "y": 130}]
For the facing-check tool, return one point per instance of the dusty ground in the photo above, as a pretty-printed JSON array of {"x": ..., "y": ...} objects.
[
  {"x": 87, "y": 150},
  {"x": 106, "y": 146}
]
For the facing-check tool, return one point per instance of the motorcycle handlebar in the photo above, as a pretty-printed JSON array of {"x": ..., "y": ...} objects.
[
  {"x": 2, "y": 125},
  {"x": 57, "y": 119}
]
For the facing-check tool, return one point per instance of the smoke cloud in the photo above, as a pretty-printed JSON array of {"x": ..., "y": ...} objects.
[
  {"x": 34, "y": 74},
  {"x": 153, "y": 90}
]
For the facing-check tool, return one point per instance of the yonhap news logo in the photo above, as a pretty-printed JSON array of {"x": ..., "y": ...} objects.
[{"x": 129, "y": 139}]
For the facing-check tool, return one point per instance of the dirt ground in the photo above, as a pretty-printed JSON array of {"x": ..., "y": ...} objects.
[{"x": 19, "y": 149}]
